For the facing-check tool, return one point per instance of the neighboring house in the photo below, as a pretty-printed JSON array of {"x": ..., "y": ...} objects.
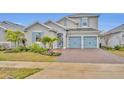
[
  {"x": 75, "y": 31},
  {"x": 113, "y": 37},
  {"x": 5, "y": 25}
]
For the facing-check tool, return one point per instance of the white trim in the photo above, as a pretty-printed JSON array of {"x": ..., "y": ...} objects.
[
  {"x": 82, "y": 41},
  {"x": 10, "y": 44},
  {"x": 71, "y": 20},
  {"x": 37, "y": 31},
  {"x": 97, "y": 42},
  {"x": 38, "y": 23},
  {"x": 55, "y": 24}
]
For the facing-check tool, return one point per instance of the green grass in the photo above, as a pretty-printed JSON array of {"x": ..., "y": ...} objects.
[
  {"x": 17, "y": 73},
  {"x": 117, "y": 52},
  {"x": 26, "y": 56}
]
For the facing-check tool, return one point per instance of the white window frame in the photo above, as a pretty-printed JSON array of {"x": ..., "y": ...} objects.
[
  {"x": 87, "y": 22},
  {"x": 38, "y": 32}
]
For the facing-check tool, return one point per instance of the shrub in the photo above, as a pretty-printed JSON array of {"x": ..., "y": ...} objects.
[
  {"x": 49, "y": 53},
  {"x": 36, "y": 48},
  {"x": 10, "y": 51},
  {"x": 117, "y": 47},
  {"x": 17, "y": 49},
  {"x": 2, "y": 48},
  {"x": 107, "y": 48},
  {"x": 21, "y": 49}
]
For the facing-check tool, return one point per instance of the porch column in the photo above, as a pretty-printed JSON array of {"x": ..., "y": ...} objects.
[
  {"x": 64, "y": 41},
  {"x": 82, "y": 41},
  {"x": 97, "y": 42}
]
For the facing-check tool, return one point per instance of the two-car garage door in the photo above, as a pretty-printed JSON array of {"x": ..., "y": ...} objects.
[{"x": 88, "y": 42}]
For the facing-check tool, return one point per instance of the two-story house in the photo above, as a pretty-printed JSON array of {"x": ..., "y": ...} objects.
[{"x": 75, "y": 31}]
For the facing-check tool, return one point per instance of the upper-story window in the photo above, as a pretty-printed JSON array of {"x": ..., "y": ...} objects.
[{"x": 84, "y": 22}]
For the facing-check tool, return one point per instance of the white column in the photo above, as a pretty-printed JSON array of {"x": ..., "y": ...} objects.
[
  {"x": 97, "y": 42},
  {"x": 82, "y": 41},
  {"x": 64, "y": 41}
]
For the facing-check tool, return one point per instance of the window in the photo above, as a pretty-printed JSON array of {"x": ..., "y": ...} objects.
[
  {"x": 84, "y": 22},
  {"x": 36, "y": 36}
]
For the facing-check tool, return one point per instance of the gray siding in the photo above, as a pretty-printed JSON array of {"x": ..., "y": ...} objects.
[
  {"x": 2, "y": 35},
  {"x": 37, "y": 27}
]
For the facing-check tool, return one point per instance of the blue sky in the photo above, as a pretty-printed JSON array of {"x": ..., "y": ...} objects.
[{"x": 107, "y": 21}]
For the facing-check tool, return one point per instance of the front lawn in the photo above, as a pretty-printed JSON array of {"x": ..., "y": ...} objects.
[
  {"x": 117, "y": 52},
  {"x": 26, "y": 56},
  {"x": 16, "y": 73}
]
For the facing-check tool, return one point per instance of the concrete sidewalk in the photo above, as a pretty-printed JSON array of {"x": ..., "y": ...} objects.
[{"x": 55, "y": 70}]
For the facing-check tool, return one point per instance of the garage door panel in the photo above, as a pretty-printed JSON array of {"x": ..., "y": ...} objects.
[
  {"x": 90, "y": 42},
  {"x": 74, "y": 42}
]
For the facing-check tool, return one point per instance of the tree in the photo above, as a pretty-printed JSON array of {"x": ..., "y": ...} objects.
[
  {"x": 23, "y": 40},
  {"x": 14, "y": 36},
  {"x": 48, "y": 40},
  {"x": 45, "y": 40},
  {"x": 52, "y": 40},
  {"x": 20, "y": 36},
  {"x": 11, "y": 36}
]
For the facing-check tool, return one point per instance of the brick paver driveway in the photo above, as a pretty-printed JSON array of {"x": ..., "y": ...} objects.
[{"x": 89, "y": 56}]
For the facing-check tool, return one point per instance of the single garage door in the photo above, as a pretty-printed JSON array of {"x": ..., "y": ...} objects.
[
  {"x": 74, "y": 42},
  {"x": 90, "y": 42}
]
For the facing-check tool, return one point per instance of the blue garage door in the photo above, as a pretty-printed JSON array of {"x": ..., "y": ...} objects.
[
  {"x": 74, "y": 42},
  {"x": 90, "y": 42}
]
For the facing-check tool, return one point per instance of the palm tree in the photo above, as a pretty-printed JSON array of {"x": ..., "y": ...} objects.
[
  {"x": 14, "y": 37},
  {"x": 20, "y": 36},
  {"x": 11, "y": 36},
  {"x": 48, "y": 40},
  {"x": 45, "y": 40},
  {"x": 23, "y": 40},
  {"x": 52, "y": 40}
]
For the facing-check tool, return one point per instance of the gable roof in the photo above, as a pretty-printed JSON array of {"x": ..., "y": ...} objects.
[
  {"x": 84, "y": 14},
  {"x": 12, "y": 23},
  {"x": 116, "y": 30},
  {"x": 41, "y": 25},
  {"x": 55, "y": 24},
  {"x": 68, "y": 19},
  {"x": 37, "y": 23}
]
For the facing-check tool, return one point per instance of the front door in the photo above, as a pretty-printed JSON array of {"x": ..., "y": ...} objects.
[
  {"x": 74, "y": 42},
  {"x": 90, "y": 42}
]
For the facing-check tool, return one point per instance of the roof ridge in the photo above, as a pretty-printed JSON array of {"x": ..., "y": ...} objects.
[
  {"x": 71, "y": 19},
  {"x": 55, "y": 23},
  {"x": 90, "y": 14},
  {"x": 8, "y": 22},
  {"x": 38, "y": 23},
  {"x": 110, "y": 31}
]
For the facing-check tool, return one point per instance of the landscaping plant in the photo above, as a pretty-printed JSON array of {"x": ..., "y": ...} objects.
[{"x": 16, "y": 37}]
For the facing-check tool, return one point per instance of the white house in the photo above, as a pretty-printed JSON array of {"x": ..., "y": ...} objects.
[
  {"x": 75, "y": 31},
  {"x": 113, "y": 37}
]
